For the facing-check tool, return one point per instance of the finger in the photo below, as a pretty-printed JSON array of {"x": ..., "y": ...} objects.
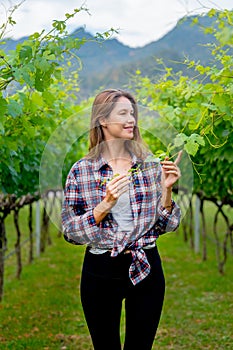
[
  {"x": 166, "y": 161},
  {"x": 176, "y": 162},
  {"x": 117, "y": 178},
  {"x": 114, "y": 186},
  {"x": 174, "y": 172},
  {"x": 121, "y": 182},
  {"x": 118, "y": 191},
  {"x": 119, "y": 186},
  {"x": 123, "y": 186},
  {"x": 169, "y": 165},
  {"x": 122, "y": 191},
  {"x": 113, "y": 193}
]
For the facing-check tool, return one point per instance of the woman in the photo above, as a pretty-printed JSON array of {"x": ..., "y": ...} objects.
[{"x": 118, "y": 203}]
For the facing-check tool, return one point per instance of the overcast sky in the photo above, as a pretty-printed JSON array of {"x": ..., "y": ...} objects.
[{"x": 139, "y": 21}]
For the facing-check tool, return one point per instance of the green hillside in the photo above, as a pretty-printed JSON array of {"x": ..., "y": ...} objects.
[{"x": 110, "y": 63}]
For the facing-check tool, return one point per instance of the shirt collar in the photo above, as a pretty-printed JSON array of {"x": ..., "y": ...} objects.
[{"x": 98, "y": 163}]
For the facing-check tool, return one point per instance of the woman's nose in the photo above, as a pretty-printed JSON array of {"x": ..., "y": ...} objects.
[{"x": 131, "y": 119}]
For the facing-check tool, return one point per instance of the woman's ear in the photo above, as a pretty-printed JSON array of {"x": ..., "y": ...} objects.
[{"x": 102, "y": 122}]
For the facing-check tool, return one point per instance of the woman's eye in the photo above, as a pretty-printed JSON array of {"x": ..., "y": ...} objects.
[{"x": 125, "y": 113}]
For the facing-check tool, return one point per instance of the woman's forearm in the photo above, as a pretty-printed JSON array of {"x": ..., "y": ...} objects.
[
  {"x": 101, "y": 210},
  {"x": 166, "y": 199}
]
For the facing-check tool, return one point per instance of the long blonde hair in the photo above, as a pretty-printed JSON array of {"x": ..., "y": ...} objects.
[{"x": 102, "y": 106}]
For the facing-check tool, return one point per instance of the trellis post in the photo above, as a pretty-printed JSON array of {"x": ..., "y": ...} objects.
[
  {"x": 197, "y": 225},
  {"x": 38, "y": 231}
]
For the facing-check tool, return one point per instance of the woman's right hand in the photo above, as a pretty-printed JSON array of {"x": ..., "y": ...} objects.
[{"x": 115, "y": 188}]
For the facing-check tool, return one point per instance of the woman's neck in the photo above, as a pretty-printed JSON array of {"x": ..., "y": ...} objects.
[
  {"x": 117, "y": 156},
  {"x": 115, "y": 150}
]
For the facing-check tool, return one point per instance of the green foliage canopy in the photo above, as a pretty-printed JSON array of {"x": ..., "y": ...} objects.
[
  {"x": 36, "y": 96},
  {"x": 200, "y": 109}
]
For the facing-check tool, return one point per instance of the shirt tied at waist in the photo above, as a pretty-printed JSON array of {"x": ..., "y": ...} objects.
[{"x": 140, "y": 267}]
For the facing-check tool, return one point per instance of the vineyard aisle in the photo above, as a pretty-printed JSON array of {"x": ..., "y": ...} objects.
[{"x": 42, "y": 311}]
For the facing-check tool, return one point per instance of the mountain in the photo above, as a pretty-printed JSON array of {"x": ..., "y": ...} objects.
[{"x": 110, "y": 63}]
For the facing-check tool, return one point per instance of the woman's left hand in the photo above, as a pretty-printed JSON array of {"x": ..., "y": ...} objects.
[{"x": 170, "y": 171}]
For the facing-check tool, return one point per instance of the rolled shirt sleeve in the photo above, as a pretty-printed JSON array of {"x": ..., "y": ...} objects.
[
  {"x": 168, "y": 221},
  {"x": 78, "y": 222}
]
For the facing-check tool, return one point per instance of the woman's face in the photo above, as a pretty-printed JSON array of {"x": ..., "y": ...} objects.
[{"x": 121, "y": 121}]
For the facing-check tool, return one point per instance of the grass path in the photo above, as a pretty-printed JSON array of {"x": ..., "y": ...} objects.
[{"x": 42, "y": 311}]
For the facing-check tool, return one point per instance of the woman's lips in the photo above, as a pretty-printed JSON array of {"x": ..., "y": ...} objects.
[{"x": 129, "y": 128}]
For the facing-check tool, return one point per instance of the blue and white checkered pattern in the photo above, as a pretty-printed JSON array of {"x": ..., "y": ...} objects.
[{"x": 86, "y": 188}]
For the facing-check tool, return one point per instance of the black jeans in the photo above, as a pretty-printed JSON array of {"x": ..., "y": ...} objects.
[{"x": 104, "y": 285}]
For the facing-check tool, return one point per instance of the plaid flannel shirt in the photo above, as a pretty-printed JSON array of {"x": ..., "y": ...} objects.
[{"x": 86, "y": 187}]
